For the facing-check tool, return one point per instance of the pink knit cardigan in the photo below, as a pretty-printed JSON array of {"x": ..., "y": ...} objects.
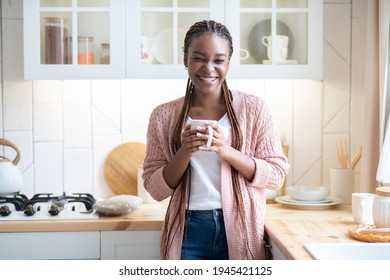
[{"x": 261, "y": 142}]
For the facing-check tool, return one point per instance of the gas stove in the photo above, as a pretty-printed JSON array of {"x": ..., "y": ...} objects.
[{"x": 46, "y": 206}]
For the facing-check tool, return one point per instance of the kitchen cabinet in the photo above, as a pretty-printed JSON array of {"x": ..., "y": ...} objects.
[
  {"x": 49, "y": 245},
  {"x": 294, "y": 27},
  {"x": 130, "y": 245},
  {"x": 157, "y": 30},
  {"x": 146, "y": 37},
  {"x": 50, "y": 51},
  {"x": 276, "y": 253},
  {"x": 105, "y": 245}
]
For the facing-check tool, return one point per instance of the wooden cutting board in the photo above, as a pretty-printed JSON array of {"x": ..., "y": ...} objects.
[{"x": 121, "y": 167}]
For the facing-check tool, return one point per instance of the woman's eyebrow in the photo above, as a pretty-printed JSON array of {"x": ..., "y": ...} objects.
[{"x": 200, "y": 53}]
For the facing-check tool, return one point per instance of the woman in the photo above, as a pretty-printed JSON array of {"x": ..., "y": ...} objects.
[{"x": 218, "y": 196}]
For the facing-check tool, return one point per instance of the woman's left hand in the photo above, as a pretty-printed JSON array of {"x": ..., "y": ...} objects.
[{"x": 242, "y": 163}]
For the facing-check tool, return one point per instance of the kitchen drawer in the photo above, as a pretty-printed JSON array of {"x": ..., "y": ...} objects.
[
  {"x": 130, "y": 245},
  {"x": 49, "y": 245}
]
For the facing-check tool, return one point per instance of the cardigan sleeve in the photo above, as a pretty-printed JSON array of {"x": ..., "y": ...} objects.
[
  {"x": 157, "y": 154},
  {"x": 271, "y": 164}
]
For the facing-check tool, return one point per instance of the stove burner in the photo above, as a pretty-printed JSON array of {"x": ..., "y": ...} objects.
[
  {"x": 64, "y": 199},
  {"x": 18, "y": 200},
  {"x": 55, "y": 204}
]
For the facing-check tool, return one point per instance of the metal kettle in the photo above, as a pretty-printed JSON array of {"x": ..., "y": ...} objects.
[{"x": 11, "y": 180}]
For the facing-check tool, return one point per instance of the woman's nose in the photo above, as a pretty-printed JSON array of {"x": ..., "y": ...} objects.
[{"x": 209, "y": 65}]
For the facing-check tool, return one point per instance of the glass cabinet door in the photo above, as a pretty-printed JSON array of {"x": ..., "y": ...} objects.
[
  {"x": 74, "y": 38},
  {"x": 157, "y": 33},
  {"x": 284, "y": 34}
]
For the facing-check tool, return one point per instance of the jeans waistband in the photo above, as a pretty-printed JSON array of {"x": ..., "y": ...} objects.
[{"x": 205, "y": 214}]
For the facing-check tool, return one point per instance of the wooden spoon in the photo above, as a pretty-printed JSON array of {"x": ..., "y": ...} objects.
[
  {"x": 342, "y": 154},
  {"x": 356, "y": 158}
]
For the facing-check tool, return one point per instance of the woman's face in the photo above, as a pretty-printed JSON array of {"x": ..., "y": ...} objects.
[{"x": 207, "y": 60}]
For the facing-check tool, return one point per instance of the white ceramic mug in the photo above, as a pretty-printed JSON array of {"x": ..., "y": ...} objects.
[
  {"x": 281, "y": 46},
  {"x": 362, "y": 208},
  {"x": 197, "y": 123}
]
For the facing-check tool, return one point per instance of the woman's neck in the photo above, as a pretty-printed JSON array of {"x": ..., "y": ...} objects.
[{"x": 208, "y": 107}]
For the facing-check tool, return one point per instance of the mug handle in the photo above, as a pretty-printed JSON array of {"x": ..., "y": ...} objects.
[
  {"x": 210, "y": 138},
  {"x": 264, "y": 39}
]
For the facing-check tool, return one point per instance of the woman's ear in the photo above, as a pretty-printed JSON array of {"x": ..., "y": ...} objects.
[{"x": 185, "y": 57}]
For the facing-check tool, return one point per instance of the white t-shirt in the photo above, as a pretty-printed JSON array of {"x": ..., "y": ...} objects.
[{"x": 206, "y": 175}]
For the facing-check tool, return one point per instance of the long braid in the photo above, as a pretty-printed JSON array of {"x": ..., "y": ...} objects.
[{"x": 199, "y": 28}]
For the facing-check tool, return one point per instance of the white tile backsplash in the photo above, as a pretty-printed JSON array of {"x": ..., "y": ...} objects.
[
  {"x": 78, "y": 171},
  {"x": 77, "y": 126},
  {"x": 48, "y": 167},
  {"x": 338, "y": 17},
  {"x": 66, "y": 129},
  {"x": 17, "y": 105},
  {"x": 47, "y": 92},
  {"x": 48, "y": 122},
  {"x": 106, "y": 100}
]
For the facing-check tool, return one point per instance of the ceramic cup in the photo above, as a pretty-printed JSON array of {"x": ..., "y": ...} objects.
[
  {"x": 342, "y": 184},
  {"x": 362, "y": 208},
  {"x": 196, "y": 123},
  {"x": 281, "y": 46}
]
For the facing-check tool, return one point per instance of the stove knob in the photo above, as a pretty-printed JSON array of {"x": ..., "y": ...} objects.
[
  {"x": 5, "y": 211},
  {"x": 29, "y": 211},
  {"x": 54, "y": 210}
]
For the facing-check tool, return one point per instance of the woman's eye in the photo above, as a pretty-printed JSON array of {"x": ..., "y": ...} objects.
[{"x": 198, "y": 59}]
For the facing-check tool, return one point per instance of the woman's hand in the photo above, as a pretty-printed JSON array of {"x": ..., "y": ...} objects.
[
  {"x": 219, "y": 144},
  {"x": 193, "y": 140},
  {"x": 242, "y": 163}
]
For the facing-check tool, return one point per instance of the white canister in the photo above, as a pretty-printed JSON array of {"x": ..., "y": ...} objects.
[{"x": 381, "y": 207}]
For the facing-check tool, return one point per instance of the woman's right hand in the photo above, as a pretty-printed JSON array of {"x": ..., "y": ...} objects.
[{"x": 191, "y": 141}]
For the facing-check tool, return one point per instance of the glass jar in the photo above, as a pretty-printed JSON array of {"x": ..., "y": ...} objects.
[
  {"x": 105, "y": 54},
  {"x": 86, "y": 53},
  {"x": 381, "y": 207},
  {"x": 56, "y": 40}
]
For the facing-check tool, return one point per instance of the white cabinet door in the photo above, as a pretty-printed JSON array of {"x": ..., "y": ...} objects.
[
  {"x": 276, "y": 39},
  {"x": 130, "y": 245},
  {"x": 156, "y": 31},
  {"x": 50, "y": 51},
  {"x": 49, "y": 245}
]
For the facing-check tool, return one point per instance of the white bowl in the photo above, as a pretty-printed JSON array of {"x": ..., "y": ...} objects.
[{"x": 307, "y": 192}]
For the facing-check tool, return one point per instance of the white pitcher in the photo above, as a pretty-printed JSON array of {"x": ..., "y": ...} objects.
[{"x": 11, "y": 180}]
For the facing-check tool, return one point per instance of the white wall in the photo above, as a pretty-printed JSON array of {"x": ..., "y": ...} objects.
[{"x": 65, "y": 129}]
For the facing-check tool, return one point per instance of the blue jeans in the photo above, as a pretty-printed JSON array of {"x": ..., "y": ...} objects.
[{"x": 206, "y": 236}]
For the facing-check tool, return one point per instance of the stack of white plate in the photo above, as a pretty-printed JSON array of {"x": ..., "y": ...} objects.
[{"x": 308, "y": 197}]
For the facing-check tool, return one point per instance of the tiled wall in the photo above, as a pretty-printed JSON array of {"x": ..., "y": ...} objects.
[{"x": 66, "y": 129}]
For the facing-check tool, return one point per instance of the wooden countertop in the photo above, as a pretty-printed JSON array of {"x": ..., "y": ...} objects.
[
  {"x": 289, "y": 229},
  {"x": 146, "y": 217}
]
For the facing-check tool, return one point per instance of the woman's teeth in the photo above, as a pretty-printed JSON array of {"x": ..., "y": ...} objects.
[{"x": 208, "y": 79}]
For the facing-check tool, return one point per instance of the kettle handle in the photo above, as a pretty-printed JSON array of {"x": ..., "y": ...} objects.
[{"x": 5, "y": 142}]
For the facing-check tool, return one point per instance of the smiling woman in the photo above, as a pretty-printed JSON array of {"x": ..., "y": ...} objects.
[{"x": 217, "y": 191}]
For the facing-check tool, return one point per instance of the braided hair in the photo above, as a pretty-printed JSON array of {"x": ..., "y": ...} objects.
[{"x": 196, "y": 30}]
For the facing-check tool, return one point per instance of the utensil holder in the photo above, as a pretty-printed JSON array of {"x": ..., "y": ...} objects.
[{"x": 342, "y": 184}]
